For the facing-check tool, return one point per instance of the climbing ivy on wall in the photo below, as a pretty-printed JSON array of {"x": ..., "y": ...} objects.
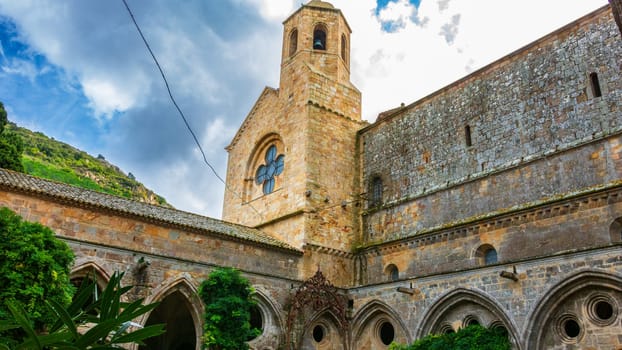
[
  {"x": 474, "y": 337},
  {"x": 228, "y": 303}
]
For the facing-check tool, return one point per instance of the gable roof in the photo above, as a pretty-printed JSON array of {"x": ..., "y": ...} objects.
[
  {"x": 18, "y": 182},
  {"x": 266, "y": 91}
]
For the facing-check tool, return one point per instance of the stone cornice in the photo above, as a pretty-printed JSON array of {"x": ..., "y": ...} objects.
[{"x": 561, "y": 205}]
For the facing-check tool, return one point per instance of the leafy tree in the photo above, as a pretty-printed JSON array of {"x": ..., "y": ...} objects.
[
  {"x": 88, "y": 323},
  {"x": 11, "y": 146},
  {"x": 474, "y": 337},
  {"x": 228, "y": 303},
  {"x": 34, "y": 268}
]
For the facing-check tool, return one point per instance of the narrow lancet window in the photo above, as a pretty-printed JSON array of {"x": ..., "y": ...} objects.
[
  {"x": 595, "y": 85},
  {"x": 467, "y": 135},
  {"x": 293, "y": 42}
]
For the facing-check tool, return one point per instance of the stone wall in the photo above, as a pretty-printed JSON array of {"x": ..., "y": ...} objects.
[
  {"x": 525, "y": 113},
  {"x": 529, "y": 308}
]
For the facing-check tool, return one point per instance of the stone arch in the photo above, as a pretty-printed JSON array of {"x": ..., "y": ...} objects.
[
  {"x": 461, "y": 304},
  {"x": 615, "y": 230},
  {"x": 90, "y": 268},
  {"x": 371, "y": 315},
  {"x": 179, "y": 300},
  {"x": 272, "y": 322},
  {"x": 293, "y": 42},
  {"x": 320, "y": 37},
  {"x": 392, "y": 272},
  {"x": 561, "y": 300},
  {"x": 334, "y": 336},
  {"x": 485, "y": 254},
  {"x": 256, "y": 159}
]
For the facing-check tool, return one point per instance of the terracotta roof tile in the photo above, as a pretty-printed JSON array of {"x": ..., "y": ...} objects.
[{"x": 26, "y": 183}]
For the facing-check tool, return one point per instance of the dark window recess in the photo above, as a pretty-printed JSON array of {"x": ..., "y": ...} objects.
[
  {"x": 318, "y": 333},
  {"x": 467, "y": 135},
  {"x": 319, "y": 38},
  {"x": 490, "y": 257},
  {"x": 293, "y": 42},
  {"x": 393, "y": 272},
  {"x": 572, "y": 328},
  {"x": 376, "y": 192},
  {"x": 387, "y": 333},
  {"x": 595, "y": 85}
]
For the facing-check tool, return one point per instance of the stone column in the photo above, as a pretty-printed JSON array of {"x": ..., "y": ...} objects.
[{"x": 616, "y": 8}]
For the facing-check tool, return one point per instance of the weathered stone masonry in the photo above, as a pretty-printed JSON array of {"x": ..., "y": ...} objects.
[{"x": 500, "y": 203}]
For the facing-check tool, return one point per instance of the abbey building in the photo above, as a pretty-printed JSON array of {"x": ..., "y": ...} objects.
[{"x": 496, "y": 200}]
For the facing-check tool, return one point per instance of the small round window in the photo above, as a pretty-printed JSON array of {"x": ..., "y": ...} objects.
[
  {"x": 569, "y": 329},
  {"x": 266, "y": 173},
  {"x": 602, "y": 309},
  {"x": 386, "y": 333},
  {"x": 319, "y": 333}
]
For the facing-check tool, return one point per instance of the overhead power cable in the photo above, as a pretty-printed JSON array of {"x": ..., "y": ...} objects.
[{"x": 183, "y": 117}]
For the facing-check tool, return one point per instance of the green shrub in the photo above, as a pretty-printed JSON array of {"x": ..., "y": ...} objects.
[
  {"x": 228, "y": 303},
  {"x": 470, "y": 338},
  {"x": 34, "y": 268}
]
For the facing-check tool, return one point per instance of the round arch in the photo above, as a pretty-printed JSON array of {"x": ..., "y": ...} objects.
[
  {"x": 371, "y": 314},
  {"x": 435, "y": 317},
  {"x": 559, "y": 294}
]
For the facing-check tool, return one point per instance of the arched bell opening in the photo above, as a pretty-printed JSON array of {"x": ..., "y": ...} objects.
[
  {"x": 174, "y": 311},
  {"x": 319, "y": 37}
]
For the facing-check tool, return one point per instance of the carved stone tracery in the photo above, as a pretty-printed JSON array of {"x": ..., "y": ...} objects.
[{"x": 315, "y": 295}]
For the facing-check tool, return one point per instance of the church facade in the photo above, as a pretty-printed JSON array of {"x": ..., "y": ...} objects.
[{"x": 496, "y": 200}]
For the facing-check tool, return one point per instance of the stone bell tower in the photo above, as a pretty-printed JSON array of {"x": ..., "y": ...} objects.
[{"x": 292, "y": 168}]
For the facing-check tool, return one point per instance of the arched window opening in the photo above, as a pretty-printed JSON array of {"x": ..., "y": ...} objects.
[
  {"x": 486, "y": 255},
  {"x": 293, "y": 42},
  {"x": 319, "y": 37},
  {"x": 490, "y": 257},
  {"x": 615, "y": 230},
  {"x": 256, "y": 320},
  {"x": 467, "y": 136},
  {"x": 596, "y": 92},
  {"x": 344, "y": 48},
  {"x": 180, "y": 329},
  {"x": 393, "y": 273},
  {"x": 375, "y": 192}
]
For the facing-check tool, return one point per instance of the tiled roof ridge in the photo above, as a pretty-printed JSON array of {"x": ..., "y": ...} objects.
[{"x": 27, "y": 183}]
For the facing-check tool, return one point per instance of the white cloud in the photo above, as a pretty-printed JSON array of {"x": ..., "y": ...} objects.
[
  {"x": 272, "y": 9},
  {"x": 450, "y": 30},
  {"x": 105, "y": 97}
]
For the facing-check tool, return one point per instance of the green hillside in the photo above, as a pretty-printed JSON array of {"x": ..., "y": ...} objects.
[{"x": 54, "y": 160}]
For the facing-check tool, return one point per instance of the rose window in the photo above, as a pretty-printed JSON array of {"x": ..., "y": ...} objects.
[{"x": 267, "y": 172}]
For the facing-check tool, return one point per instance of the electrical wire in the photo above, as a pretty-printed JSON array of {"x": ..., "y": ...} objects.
[{"x": 170, "y": 94}]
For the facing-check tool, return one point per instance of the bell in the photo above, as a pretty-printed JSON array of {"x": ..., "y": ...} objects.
[{"x": 317, "y": 44}]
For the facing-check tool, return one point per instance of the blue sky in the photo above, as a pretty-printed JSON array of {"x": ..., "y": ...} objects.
[{"x": 77, "y": 71}]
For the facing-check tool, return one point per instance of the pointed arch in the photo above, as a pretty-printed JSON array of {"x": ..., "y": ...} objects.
[
  {"x": 334, "y": 330},
  {"x": 315, "y": 296},
  {"x": 435, "y": 317},
  {"x": 90, "y": 269},
  {"x": 376, "y": 311},
  {"x": 272, "y": 321},
  {"x": 183, "y": 289},
  {"x": 559, "y": 294}
]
